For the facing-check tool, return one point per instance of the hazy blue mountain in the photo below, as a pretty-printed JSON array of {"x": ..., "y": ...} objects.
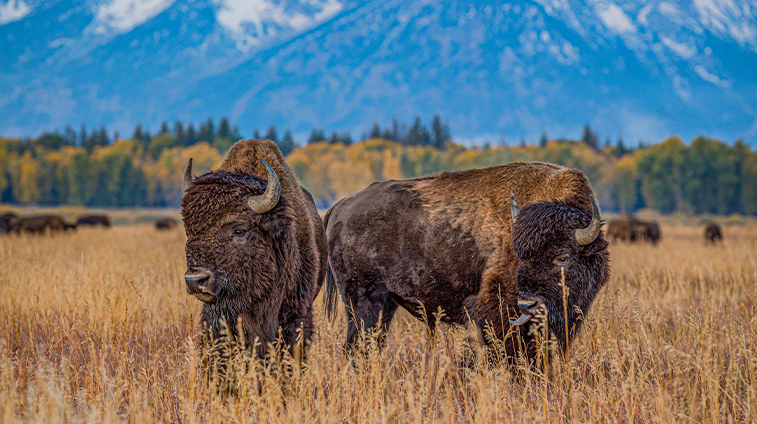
[{"x": 642, "y": 70}]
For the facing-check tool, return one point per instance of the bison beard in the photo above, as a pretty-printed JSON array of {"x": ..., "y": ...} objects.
[
  {"x": 256, "y": 250},
  {"x": 446, "y": 242}
]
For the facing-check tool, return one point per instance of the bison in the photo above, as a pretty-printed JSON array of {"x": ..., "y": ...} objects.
[
  {"x": 457, "y": 241},
  {"x": 256, "y": 247},
  {"x": 40, "y": 224},
  {"x": 712, "y": 233},
  {"x": 649, "y": 231},
  {"x": 629, "y": 228},
  {"x": 6, "y": 220},
  {"x": 93, "y": 220},
  {"x": 166, "y": 224}
]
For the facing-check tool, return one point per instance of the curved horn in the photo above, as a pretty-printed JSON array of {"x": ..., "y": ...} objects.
[
  {"x": 187, "y": 180},
  {"x": 266, "y": 201},
  {"x": 587, "y": 235},
  {"x": 514, "y": 210}
]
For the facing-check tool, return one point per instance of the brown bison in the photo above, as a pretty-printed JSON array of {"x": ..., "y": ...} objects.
[
  {"x": 452, "y": 241},
  {"x": 256, "y": 247},
  {"x": 93, "y": 220},
  {"x": 712, "y": 233},
  {"x": 5, "y": 222},
  {"x": 166, "y": 224},
  {"x": 629, "y": 228},
  {"x": 40, "y": 224}
]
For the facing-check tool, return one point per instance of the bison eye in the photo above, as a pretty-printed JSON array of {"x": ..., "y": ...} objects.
[
  {"x": 239, "y": 233},
  {"x": 562, "y": 260}
]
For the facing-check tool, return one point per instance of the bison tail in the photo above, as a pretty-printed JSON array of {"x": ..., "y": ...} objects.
[{"x": 330, "y": 294}]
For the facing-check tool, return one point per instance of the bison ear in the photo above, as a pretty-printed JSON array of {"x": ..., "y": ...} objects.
[{"x": 187, "y": 180}]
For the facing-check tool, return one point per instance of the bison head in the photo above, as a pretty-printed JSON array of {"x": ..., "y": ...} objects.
[
  {"x": 236, "y": 226},
  {"x": 552, "y": 239}
]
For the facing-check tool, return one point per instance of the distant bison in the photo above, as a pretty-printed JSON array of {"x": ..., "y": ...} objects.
[
  {"x": 40, "y": 224},
  {"x": 649, "y": 231},
  {"x": 629, "y": 228},
  {"x": 5, "y": 222},
  {"x": 458, "y": 241},
  {"x": 713, "y": 233},
  {"x": 166, "y": 224},
  {"x": 93, "y": 220},
  {"x": 256, "y": 247}
]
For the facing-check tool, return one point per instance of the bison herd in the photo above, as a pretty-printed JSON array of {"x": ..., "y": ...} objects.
[{"x": 43, "y": 224}]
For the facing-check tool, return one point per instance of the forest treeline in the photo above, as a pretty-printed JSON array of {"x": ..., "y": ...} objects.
[{"x": 703, "y": 176}]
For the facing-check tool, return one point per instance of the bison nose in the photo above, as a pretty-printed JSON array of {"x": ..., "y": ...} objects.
[{"x": 198, "y": 284}]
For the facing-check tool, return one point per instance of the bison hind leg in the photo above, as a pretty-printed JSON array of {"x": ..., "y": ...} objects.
[{"x": 369, "y": 315}]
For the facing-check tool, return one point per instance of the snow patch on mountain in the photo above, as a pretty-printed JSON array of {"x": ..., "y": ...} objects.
[
  {"x": 13, "y": 10},
  {"x": 121, "y": 16},
  {"x": 250, "y": 22}
]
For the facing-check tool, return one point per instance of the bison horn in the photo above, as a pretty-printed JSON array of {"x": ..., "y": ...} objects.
[
  {"x": 587, "y": 235},
  {"x": 266, "y": 201},
  {"x": 187, "y": 180},
  {"x": 513, "y": 205}
]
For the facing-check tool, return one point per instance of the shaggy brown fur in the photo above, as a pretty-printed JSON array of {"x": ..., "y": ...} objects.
[
  {"x": 445, "y": 241},
  {"x": 265, "y": 270}
]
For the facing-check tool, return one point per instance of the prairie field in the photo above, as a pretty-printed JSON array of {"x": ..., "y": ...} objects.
[{"x": 96, "y": 326}]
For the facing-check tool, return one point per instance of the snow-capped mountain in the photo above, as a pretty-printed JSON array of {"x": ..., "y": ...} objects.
[{"x": 643, "y": 70}]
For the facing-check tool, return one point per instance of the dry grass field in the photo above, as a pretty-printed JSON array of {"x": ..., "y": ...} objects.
[{"x": 96, "y": 326}]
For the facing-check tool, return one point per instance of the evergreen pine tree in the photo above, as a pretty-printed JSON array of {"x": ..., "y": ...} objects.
[
  {"x": 178, "y": 129},
  {"x": 163, "y": 128},
  {"x": 224, "y": 129},
  {"x": 83, "y": 135},
  {"x": 316, "y": 135},
  {"x": 286, "y": 145},
  {"x": 440, "y": 132},
  {"x": 544, "y": 139},
  {"x": 191, "y": 135},
  {"x": 375, "y": 131},
  {"x": 70, "y": 136},
  {"x": 271, "y": 134},
  {"x": 256, "y": 134},
  {"x": 589, "y": 137}
]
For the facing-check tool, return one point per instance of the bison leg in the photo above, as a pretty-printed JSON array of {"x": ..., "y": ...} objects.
[
  {"x": 367, "y": 310},
  {"x": 290, "y": 332}
]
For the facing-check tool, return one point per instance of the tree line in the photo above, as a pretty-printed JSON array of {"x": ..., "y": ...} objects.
[{"x": 89, "y": 168}]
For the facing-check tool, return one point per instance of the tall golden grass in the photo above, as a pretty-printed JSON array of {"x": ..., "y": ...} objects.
[{"x": 96, "y": 326}]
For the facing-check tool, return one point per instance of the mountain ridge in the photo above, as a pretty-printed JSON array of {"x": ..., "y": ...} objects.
[{"x": 491, "y": 69}]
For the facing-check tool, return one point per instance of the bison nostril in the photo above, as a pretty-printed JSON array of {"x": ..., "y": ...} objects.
[{"x": 197, "y": 282}]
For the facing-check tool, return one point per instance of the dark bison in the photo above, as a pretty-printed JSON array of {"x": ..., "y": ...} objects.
[
  {"x": 712, "y": 233},
  {"x": 256, "y": 248},
  {"x": 629, "y": 228},
  {"x": 623, "y": 228},
  {"x": 448, "y": 241},
  {"x": 5, "y": 222},
  {"x": 649, "y": 231},
  {"x": 93, "y": 220},
  {"x": 166, "y": 224},
  {"x": 40, "y": 224}
]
